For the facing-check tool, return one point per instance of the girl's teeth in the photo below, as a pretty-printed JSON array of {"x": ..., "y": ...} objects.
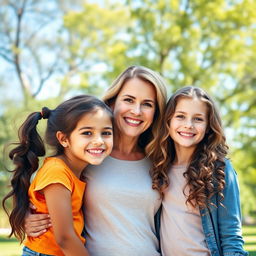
[
  {"x": 186, "y": 134},
  {"x": 96, "y": 151}
]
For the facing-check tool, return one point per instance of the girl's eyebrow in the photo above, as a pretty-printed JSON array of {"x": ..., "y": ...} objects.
[
  {"x": 108, "y": 128},
  {"x": 180, "y": 111},
  {"x": 183, "y": 112},
  {"x": 85, "y": 127},
  {"x": 130, "y": 96},
  {"x": 90, "y": 127}
]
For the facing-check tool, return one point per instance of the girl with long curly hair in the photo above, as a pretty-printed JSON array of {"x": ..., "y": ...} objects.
[{"x": 201, "y": 206}]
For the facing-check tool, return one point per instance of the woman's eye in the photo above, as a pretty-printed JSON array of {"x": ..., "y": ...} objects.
[
  {"x": 179, "y": 116},
  {"x": 128, "y": 100},
  {"x": 148, "y": 105}
]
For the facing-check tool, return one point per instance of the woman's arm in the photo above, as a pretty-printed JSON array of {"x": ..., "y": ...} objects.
[
  {"x": 58, "y": 200},
  {"x": 229, "y": 216},
  {"x": 36, "y": 224}
]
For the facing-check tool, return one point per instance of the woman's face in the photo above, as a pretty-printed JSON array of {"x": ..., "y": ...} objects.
[{"x": 134, "y": 107}]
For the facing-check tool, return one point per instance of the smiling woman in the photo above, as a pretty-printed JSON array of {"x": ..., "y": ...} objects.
[
  {"x": 120, "y": 203},
  {"x": 134, "y": 110}
]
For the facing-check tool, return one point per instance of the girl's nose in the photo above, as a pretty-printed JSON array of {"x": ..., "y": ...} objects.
[
  {"x": 189, "y": 124},
  {"x": 98, "y": 140}
]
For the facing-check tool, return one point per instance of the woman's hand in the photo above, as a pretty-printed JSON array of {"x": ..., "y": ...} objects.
[{"x": 36, "y": 224}]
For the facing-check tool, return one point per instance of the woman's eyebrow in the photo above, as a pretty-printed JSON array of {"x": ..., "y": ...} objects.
[{"x": 130, "y": 96}]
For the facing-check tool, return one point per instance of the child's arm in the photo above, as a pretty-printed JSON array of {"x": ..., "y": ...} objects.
[
  {"x": 229, "y": 216},
  {"x": 58, "y": 200}
]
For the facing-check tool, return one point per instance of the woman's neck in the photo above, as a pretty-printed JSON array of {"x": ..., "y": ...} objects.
[{"x": 126, "y": 148}]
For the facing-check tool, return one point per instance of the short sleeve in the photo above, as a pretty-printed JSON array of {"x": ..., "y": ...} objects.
[{"x": 52, "y": 175}]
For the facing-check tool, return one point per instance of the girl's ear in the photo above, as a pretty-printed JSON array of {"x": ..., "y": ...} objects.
[
  {"x": 62, "y": 138},
  {"x": 168, "y": 123}
]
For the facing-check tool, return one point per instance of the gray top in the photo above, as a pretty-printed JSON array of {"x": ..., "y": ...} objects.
[
  {"x": 120, "y": 205},
  {"x": 181, "y": 227}
]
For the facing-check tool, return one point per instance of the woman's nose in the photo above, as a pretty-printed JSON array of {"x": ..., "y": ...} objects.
[{"x": 136, "y": 110}]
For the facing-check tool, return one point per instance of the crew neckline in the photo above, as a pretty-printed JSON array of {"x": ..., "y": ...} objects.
[{"x": 123, "y": 160}]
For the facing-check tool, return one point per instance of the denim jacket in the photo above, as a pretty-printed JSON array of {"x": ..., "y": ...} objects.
[{"x": 222, "y": 224}]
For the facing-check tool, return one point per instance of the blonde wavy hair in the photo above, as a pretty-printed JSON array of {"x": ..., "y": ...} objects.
[
  {"x": 205, "y": 174},
  {"x": 147, "y": 139}
]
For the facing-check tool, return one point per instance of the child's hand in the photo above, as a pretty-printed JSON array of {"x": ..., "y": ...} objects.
[{"x": 36, "y": 224}]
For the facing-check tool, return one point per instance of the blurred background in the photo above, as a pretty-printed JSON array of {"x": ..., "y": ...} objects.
[{"x": 51, "y": 50}]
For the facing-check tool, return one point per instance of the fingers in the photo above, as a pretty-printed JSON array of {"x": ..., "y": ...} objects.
[
  {"x": 37, "y": 218},
  {"x": 31, "y": 206},
  {"x": 36, "y": 234},
  {"x": 37, "y": 228},
  {"x": 36, "y": 224}
]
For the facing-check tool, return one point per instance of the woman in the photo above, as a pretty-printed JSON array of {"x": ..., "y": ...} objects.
[{"x": 120, "y": 204}]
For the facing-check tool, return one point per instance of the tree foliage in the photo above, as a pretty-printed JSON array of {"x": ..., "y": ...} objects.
[
  {"x": 211, "y": 44},
  {"x": 29, "y": 42}
]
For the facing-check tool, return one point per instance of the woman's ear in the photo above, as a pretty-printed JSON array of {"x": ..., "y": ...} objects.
[
  {"x": 62, "y": 138},
  {"x": 112, "y": 105}
]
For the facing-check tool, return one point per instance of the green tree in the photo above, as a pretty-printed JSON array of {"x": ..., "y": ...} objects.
[{"x": 210, "y": 44}]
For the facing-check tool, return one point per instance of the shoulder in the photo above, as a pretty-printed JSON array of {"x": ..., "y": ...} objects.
[
  {"x": 230, "y": 173},
  {"x": 53, "y": 171},
  {"x": 229, "y": 169},
  {"x": 54, "y": 167}
]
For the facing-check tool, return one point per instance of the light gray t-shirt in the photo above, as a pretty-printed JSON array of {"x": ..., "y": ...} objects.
[
  {"x": 120, "y": 205},
  {"x": 181, "y": 230}
]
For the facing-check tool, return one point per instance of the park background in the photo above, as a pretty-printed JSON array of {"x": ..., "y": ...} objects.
[{"x": 51, "y": 50}]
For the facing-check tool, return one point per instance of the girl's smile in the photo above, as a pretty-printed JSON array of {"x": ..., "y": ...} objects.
[
  {"x": 91, "y": 141},
  {"x": 189, "y": 122}
]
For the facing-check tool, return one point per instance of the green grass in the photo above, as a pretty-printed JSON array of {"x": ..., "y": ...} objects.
[
  {"x": 249, "y": 234},
  {"x": 11, "y": 247}
]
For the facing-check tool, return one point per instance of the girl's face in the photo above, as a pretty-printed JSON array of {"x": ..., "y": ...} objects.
[
  {"x": 189, "y": 123},
  {"x": 91, "y": 141},
  {"x": 134, "y": 107}
]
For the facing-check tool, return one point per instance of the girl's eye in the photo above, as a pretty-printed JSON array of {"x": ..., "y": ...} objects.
[
  {"x": 107, "y": 133},
  {"x": 179, "y": 116},
  {"x": 198, "y": 119},
  {"x": 87, "y": 133}
]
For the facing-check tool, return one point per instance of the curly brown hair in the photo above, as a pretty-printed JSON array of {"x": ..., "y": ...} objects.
[{"x": 205, "y": 173}]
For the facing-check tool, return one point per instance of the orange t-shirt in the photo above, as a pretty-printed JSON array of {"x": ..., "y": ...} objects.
[{"x": 54, "y": 170}]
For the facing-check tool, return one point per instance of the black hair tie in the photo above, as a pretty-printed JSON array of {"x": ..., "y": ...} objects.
[{"x": 45, "y": 113}]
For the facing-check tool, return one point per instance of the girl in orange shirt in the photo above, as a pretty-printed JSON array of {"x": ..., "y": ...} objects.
[{"x": 80, "y": 132}]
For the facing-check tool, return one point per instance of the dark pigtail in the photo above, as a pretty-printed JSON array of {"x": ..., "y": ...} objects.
[
  {"x": 63, "y": 118},
  {"x": 25, "y": 158}
]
